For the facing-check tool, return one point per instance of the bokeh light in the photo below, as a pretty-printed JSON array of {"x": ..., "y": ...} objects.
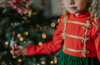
[
  {"x": 53, "y": 24},
  {"x": 40, "y": 43},
  {"x": 37, "y": 25},
  {"x": 18, "y": 35},
  {"x": 11, "y": 23},
  {"x": 19, "y": 60},
  {"x": 58, "y": 20},
  {"x": 6, "y": 43},
  {"x": 21, "y": 39},
  {"x": 51, "y": 62},
  {"x": 44, "y": 35},
  {"x": 34, "y": 13},
  {"x": 42, "y": 62},
  {"x": 26, "y": 33}
]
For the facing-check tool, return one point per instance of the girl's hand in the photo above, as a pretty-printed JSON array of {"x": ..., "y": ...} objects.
[{"x": 21, "y": 50}]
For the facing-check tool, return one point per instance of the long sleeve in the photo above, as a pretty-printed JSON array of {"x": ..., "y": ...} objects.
[
  {"x": 49, "y": 47},
  {"x": 97, "y": 44}
]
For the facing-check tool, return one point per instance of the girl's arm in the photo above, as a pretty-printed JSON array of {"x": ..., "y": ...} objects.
[
  {"x": 51, "y": 46},
  {"x": 97, "y": 43}
]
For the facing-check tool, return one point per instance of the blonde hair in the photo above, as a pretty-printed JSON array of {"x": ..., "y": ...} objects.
[{"x": 93, "y": 8}]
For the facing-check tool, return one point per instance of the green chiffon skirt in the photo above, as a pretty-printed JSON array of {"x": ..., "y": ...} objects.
[{"x": 65, "y": 59}]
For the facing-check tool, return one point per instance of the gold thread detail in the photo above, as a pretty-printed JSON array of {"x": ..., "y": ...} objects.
[
  {"x": 88, "y": 25},
  {"x": 73, "y": 36},
  {"x": 76, "y": 22},
  {"x": 84, "y": 52},
  {"x": 65, "y": 21}
]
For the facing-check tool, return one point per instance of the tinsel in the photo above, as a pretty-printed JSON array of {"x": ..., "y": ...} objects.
[{"x": 18, "y": 5}]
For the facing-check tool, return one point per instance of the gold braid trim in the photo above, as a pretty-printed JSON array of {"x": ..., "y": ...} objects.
[
  {"x": 88, "y": 25},
  {"x": 85, "y": 36},
  {"x": 73, "y": 36},
  {"x": 76, "y": 22}
]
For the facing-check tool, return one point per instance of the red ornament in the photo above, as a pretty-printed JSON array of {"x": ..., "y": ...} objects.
[
  {"x": 14, "y": 49},
  {"x": 16, "y": 1}
]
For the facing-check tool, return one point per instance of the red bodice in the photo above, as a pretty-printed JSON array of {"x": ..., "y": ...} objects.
[{"x": 81, "y": 38}]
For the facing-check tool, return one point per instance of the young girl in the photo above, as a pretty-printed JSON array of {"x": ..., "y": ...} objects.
[{"x": 78, "y": 32}]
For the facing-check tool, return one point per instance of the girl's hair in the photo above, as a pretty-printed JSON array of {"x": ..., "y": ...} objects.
[{"x": 93, "y": 8}]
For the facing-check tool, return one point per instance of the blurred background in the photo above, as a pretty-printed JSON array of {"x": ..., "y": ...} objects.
[{"x": 30, "y": 22}]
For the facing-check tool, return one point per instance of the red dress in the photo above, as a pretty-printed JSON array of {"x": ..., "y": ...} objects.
[{"x": 79, "y": 37}]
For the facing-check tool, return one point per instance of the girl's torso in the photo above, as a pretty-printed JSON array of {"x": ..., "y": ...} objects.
[{"x": 79, "y": 36}]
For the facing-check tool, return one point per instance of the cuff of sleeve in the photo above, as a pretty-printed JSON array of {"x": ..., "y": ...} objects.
[{"x": 31, "y": 50}]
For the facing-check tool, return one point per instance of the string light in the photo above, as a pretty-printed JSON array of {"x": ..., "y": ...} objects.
[
  {"x": 23, "y": 55},
  {"x": 24, "y": 18},
  {"x": 40, "y": 28},
  {"x": 29, "y": 42},
  {"x": 43, "y": 35},
  {"x": 27, "y": 5},
  {"x": 11, "y": 51},
  {"x": 31, "y": 29},
  {"x": 21, "y": 39},
  {"x": 16, "y": 14},
  {"x": 11, "y": 23},
  {"x": 19, "y": 60},
  {"x": 18, "y": 35},
  {"x": 42, "y": 62},
  {"x": 58, "y": 20},
  {"x": 29, "y": 14},
  {"x": 55, "y": 59},
  {"x": 24, "y": 41},
  {"x": 26, "y": 33},
  {"x": 21, "y": 13},
  {"x": 22, "y": 22},
  {"x": 10, "y": 63},
  {"x": 34, "y": 13},
  {"x": 6, "y": 43},
  {"x": 3, "y": 62},
  {"x": 37, "y": 25},
  {"x": 53, "y": 24},
  {"x": 9, "y": 13},
  {"x": 44, "y": 28},
  {"x": 51, "y": 62},
  {"x": 40, "y": 43},
  {"x": 38, "y": 64}
]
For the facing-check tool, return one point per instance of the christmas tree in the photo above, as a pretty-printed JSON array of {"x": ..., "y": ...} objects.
[{"x": 29, "y": 27}]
